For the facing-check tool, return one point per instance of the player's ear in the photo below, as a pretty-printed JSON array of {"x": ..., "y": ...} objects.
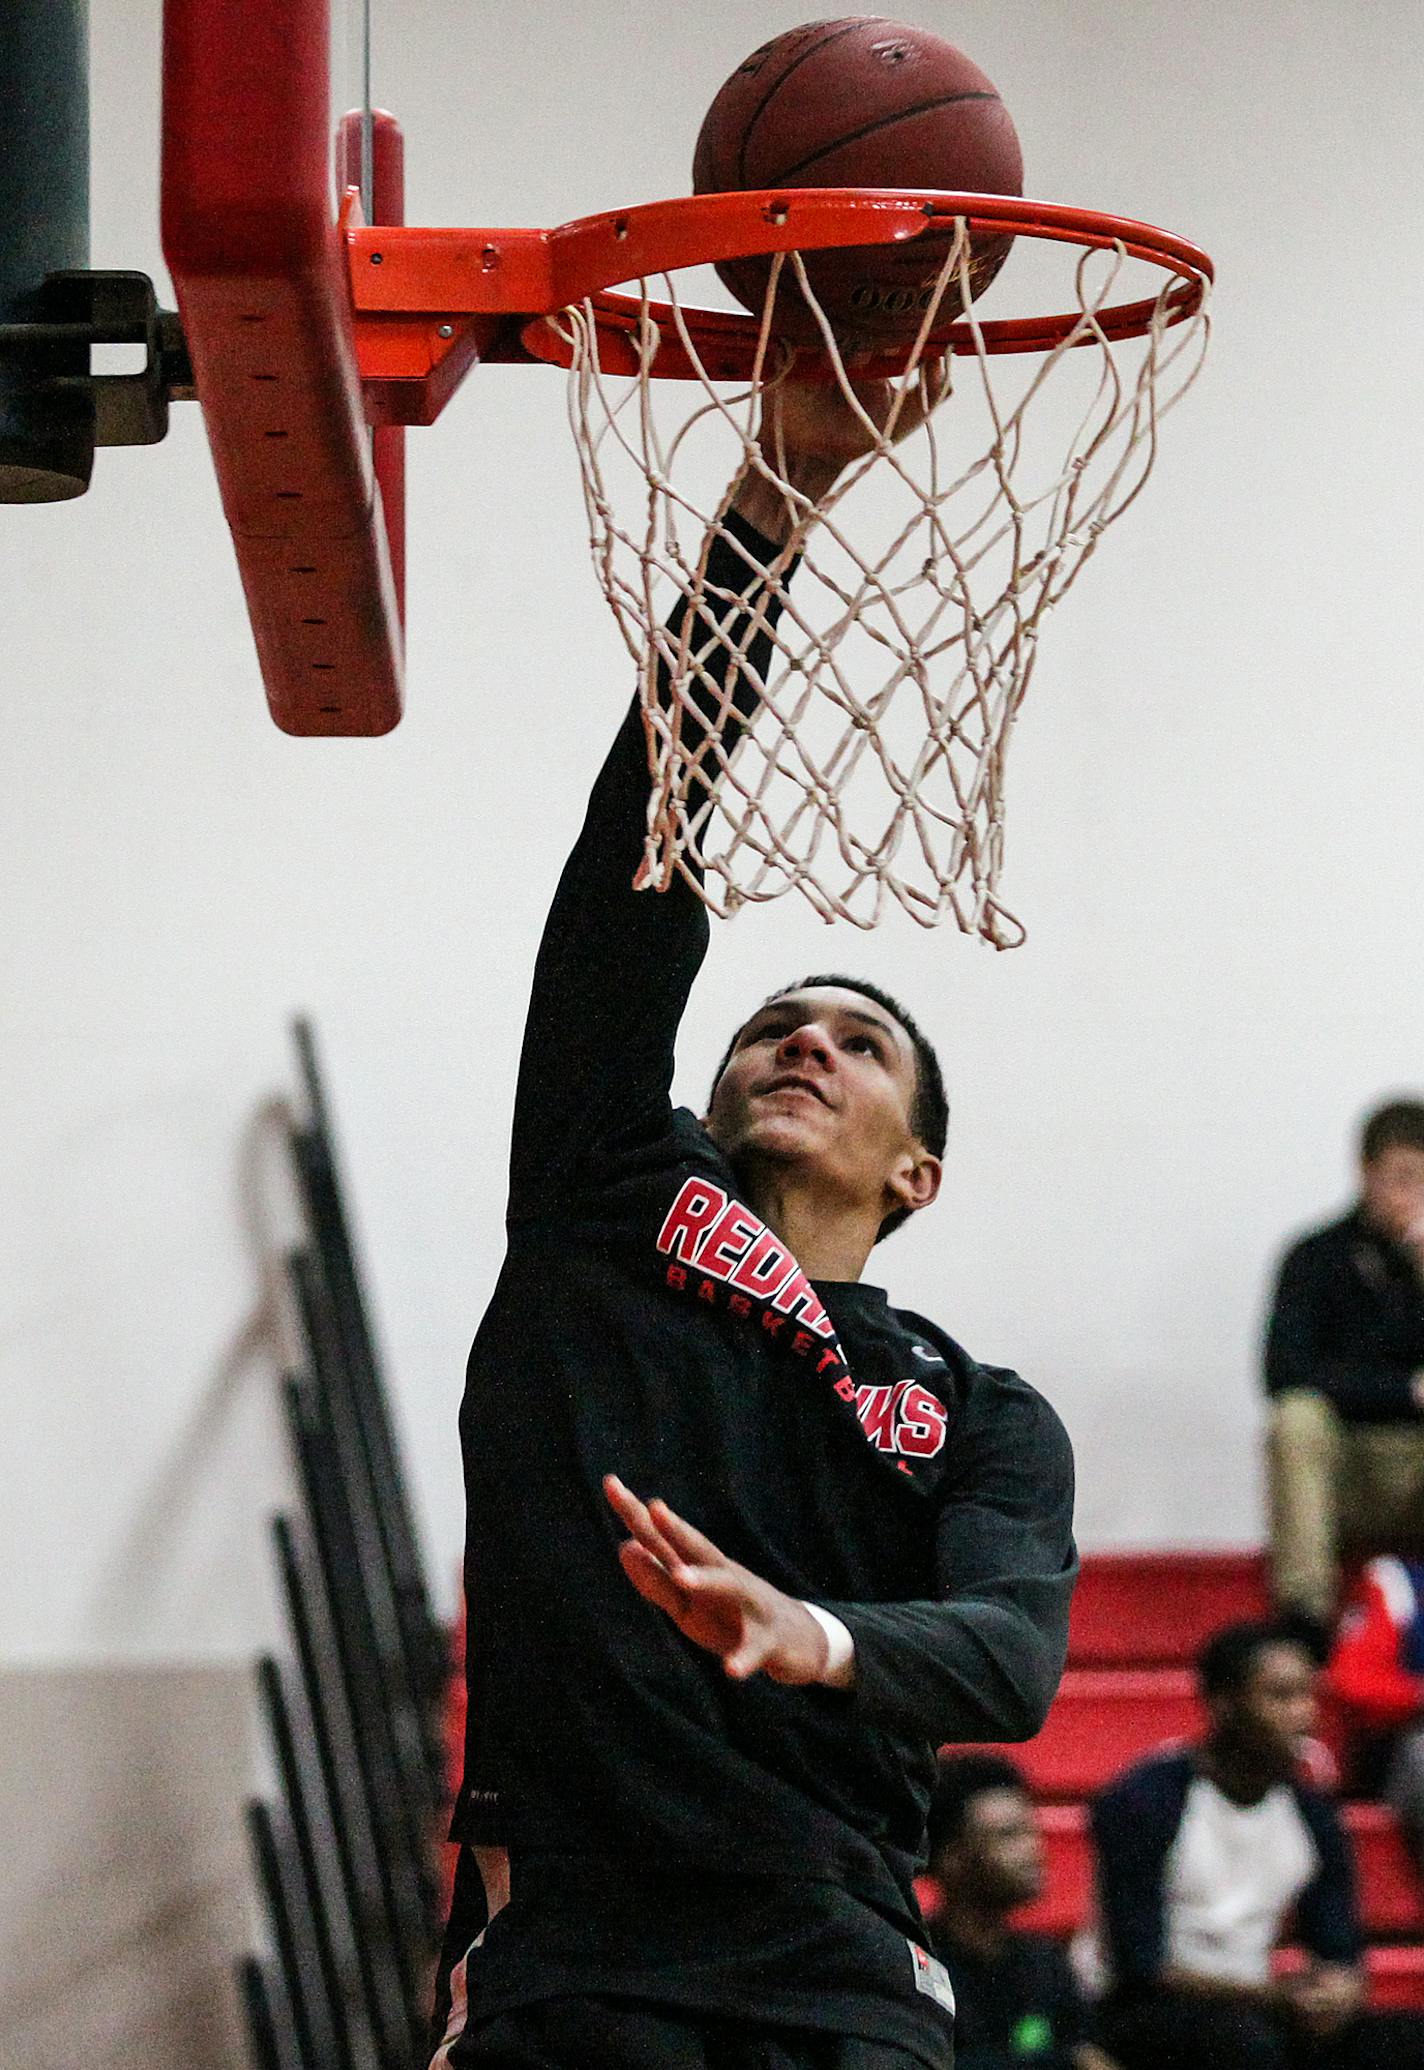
[{"x": 915, "y": 1180}]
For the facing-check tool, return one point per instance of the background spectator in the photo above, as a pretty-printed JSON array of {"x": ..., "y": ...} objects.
[
  {"x": 1345, "y": 1373},
  {"x": 1205, "y": 1854},
  {"x": 1018, "y": 2006},
  {"x": 1376, "y": 1673}
]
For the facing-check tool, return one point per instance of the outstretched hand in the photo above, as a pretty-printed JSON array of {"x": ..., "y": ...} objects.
[
  {"x": 752, "y": 1627},
  {"x": 811, "y": 431},
  {"x": 818, "y": 420}
]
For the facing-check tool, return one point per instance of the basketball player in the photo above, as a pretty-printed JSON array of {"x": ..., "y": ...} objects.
[{"x": 745, "y": 1543}]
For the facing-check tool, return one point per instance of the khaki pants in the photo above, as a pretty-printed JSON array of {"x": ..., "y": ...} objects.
[{"x": 1335, "y": 1487}]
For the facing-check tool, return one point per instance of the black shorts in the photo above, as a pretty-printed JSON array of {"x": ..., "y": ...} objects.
[
  {"x": 619, "y": 2034},
  {"x": 601, "y": 1977}
]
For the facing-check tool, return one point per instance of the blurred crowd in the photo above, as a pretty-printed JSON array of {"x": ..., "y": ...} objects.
[
  {"x": 1208, "y": 1858},
  {"x": 1227, "y": 1933}
]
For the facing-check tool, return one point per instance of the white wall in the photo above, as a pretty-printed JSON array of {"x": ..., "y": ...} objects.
[
  {"x": 1213, "y": 830},
  {"x": 124, "y": 1895}
]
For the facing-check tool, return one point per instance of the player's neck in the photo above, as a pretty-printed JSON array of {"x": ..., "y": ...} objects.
[{"x": 830, "y": 1240}]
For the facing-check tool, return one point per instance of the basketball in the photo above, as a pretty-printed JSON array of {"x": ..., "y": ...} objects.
[{"x": 860, "y": 102}]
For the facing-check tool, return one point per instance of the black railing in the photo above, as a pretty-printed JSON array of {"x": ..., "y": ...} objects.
[{"x": 346, "y": 1855}]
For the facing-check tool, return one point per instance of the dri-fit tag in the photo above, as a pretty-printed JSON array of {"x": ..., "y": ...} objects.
[{"x": 931, "y": 1977}]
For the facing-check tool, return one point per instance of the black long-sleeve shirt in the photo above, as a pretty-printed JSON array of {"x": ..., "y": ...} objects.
[
  {"x": 1348, "y": 1322},
  {"x": 647, "y": 1323}
]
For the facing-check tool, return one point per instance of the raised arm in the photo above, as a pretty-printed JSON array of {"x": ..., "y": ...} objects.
[{"x": 615, "y": 965}]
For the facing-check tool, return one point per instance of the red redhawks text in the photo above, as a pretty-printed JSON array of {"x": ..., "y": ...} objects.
[{"x": 721, "y": 1245}]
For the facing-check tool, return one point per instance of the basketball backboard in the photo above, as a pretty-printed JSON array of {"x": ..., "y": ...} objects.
[
  {"x": 314, "y": 499},
  {"x": 313, "y": 326}
]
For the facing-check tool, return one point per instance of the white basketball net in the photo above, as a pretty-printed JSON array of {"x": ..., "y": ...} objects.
[{"x": 873, "y": 768}]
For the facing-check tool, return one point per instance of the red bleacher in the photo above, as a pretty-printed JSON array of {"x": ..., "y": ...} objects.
[
  {"x": 1155, "y": 1609},
  {"x": 1390, "y": 1897},
  {"x": 1138, "y": 1621},
  {"x": 1396, "y": 1978},
  {"x": 1102, "y": 1719}
]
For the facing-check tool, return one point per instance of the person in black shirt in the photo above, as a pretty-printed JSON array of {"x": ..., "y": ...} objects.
[
  {"x": 1344, "y": 1369},
  {"x": 701, "y": 1726},
  {"x": 1017, "y": 2002}
]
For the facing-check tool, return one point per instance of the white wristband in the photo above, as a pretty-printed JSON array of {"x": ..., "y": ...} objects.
[{"x": 839, "y": 1671}]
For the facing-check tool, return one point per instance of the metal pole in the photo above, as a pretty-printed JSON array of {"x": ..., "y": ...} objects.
[{"x": 46, "y": 434}]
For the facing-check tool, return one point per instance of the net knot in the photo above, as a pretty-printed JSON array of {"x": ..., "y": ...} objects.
[{"x": 889, "y": 674}]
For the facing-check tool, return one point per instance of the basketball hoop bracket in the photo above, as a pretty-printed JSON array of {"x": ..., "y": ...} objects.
[
  {"x": 79, "y": 309},
  {"x": 430, "y": 303}
]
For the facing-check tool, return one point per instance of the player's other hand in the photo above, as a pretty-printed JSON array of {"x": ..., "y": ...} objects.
[{"x": 752, "y": 1627}]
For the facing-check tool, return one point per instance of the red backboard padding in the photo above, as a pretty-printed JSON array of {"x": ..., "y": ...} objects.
[{"x": 250, "y": 237}]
